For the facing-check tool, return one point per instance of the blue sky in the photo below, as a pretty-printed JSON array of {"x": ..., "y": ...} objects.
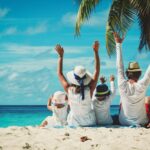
[{"x": 29, "y": 30}]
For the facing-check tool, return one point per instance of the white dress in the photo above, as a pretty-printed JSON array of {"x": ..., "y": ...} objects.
[
  {"x": 81, "y": 113},
  {"x": 58, "y": 118},
  {"x": 102, "y": 108},
  {"x": 132, "y": 95}
]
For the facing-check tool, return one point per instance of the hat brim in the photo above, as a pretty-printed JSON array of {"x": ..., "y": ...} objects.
[
  {"x": 72, "y": 80},
  {"x": 134, "y": 70},
  {"x": 99, "y": 95}
]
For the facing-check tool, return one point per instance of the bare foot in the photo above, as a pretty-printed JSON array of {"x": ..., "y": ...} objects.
[
  {"x": 44, "y": 124},
  {"x": 148, "y": 125}
]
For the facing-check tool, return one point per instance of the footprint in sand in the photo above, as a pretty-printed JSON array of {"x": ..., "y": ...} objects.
[
  {"x": 27, "y": 146},
  {"x": 1, "y": 148},
  {"x": 39, "y": 146}
]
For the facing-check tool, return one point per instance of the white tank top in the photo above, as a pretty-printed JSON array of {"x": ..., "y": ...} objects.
[{"x": 81, "y": 113}]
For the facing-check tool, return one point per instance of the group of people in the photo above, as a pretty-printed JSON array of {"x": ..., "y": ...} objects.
[{"x": 84, "y": 103}]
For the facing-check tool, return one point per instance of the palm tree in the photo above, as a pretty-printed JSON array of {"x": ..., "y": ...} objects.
[{"x": 121, "y": 16}]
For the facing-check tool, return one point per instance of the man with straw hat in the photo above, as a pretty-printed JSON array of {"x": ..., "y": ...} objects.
[
  {"x": 79, "y": 89},
  {"x": 132, "y": 91}
]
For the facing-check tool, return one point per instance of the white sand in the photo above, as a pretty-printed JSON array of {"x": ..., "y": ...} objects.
[{"x": 35, "y": 138}]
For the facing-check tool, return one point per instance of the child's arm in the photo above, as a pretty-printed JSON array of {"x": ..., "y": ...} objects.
[
  {"x": 112, "y": 86},
  {"x": 49, "y": 107},
  {"x": 97, "y": 67},
  {"x": 61, "y": 76}
]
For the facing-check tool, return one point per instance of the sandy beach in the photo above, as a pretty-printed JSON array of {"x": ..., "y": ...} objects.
[{"x": 35, "y": 138}]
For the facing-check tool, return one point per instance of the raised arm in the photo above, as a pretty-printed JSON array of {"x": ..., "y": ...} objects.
[
  {"x": 119, "y": 60},
  {"x": 61, "y": 76},
  {"x": 112, "y": 86},
  {"x": 97, "y": 67},
  {"x": 146, "y": 79},
  {"x": 49, "y": 107}
]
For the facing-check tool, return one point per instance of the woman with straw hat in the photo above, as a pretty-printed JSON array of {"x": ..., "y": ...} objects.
[
  {"x": 79, "y": 89},
  {"x": 132, "y": 91}
]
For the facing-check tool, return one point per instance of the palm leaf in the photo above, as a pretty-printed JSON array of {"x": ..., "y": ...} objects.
[
  {"x": 144, "y": 23},
  {"x": 143, "y": 10},
  {"x": 143, "y": 6},
  {"x": 120, "y": 18},
  {"x": 85, "y": 9}
]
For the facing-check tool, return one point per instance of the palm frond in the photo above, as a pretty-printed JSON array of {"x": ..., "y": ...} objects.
[
  {"x": 144, "y": 23},
  {"x": 143, "y": 6},
  {"x": 85, "y": 9},
  {"x": 121, "y": 16},
  {"x": 143, "y": 11}
]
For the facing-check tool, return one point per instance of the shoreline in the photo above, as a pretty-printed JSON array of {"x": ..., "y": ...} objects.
[{"x": 102, "y": 138}]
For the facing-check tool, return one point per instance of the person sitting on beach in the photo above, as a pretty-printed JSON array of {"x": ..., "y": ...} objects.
[
  {"x": 132, "y": 91},
  {"x": 147, "y": 106},
  {"x": 58, "y": 105},
  {"x": 102, "y": 101},
  {"x": 80, "y": 90}
]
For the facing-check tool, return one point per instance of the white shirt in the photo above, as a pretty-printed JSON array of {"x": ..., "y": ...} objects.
[
  {"x": 58, "y": 118},
  {"x": 132, "y": 95},
  {"x": 102, "y": 108},
  {"x": 81, "y": 113}
]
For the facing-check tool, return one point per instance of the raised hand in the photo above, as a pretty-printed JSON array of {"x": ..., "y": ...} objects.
[
  {"x": 96, "y": 46},
  {"x": 112, "y": 78},
  {"x": 102, "y": 79},
  {"x": 59, "y": 50},
  {"x": 117, "y": 38}
]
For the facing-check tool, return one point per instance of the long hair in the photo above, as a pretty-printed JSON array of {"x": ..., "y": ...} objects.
[{"x": 77, "y": 88}]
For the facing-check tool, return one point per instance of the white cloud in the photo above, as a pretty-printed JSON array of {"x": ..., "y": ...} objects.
[
  {"x": 26, "y": 49},
  {"x": 4, "y": 12},
  {"x": 142, "y": 56},
  {"x": 23, "y": 49},
  {"x": 98, "y": 19},
  {"x": 10, "y": 31},
  {"x": 32, "y": 30},
  {"x": 40, "y": 28},
  {"x": 74, "y": 49},
  {"x": 13, "y": 76}
]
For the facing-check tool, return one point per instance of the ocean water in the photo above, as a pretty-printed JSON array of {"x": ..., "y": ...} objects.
[{"x": 29, "y": 115}]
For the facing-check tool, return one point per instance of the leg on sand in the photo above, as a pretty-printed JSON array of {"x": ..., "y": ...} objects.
[
  {"x": 44, "y": 124},
  {"x": 147, "y": 107}
]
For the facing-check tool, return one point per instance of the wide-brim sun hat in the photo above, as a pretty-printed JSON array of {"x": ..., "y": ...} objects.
[
  {"x": 133, "y": 67},
  {"x": 81, "y": 72},
  {"x": 59, "y": 97}
]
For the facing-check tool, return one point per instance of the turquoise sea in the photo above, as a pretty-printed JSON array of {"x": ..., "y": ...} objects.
[{"x": 26, "y": 115}]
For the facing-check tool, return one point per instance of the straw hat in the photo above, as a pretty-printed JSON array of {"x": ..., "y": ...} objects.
[
  {"x": 133, "y": 67},
  {"x": 59, "y": 97},
  {"x": 80, "y": 72}
]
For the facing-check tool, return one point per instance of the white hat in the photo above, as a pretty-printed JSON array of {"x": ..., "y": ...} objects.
[
  {"x": 59, "y": 97},
  {"x": 80, "y": 71}
]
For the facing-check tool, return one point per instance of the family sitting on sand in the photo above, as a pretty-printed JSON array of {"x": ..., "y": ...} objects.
[{"x": 84, "y": 104}]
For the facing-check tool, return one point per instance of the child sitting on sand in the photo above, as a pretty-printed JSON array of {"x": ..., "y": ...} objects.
[
  {"x": 132, "y": 91},
  {"x": 102, "y": 101},
  {"x": 80, "y": 89},
  {"x": 58, "y": 105}
]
